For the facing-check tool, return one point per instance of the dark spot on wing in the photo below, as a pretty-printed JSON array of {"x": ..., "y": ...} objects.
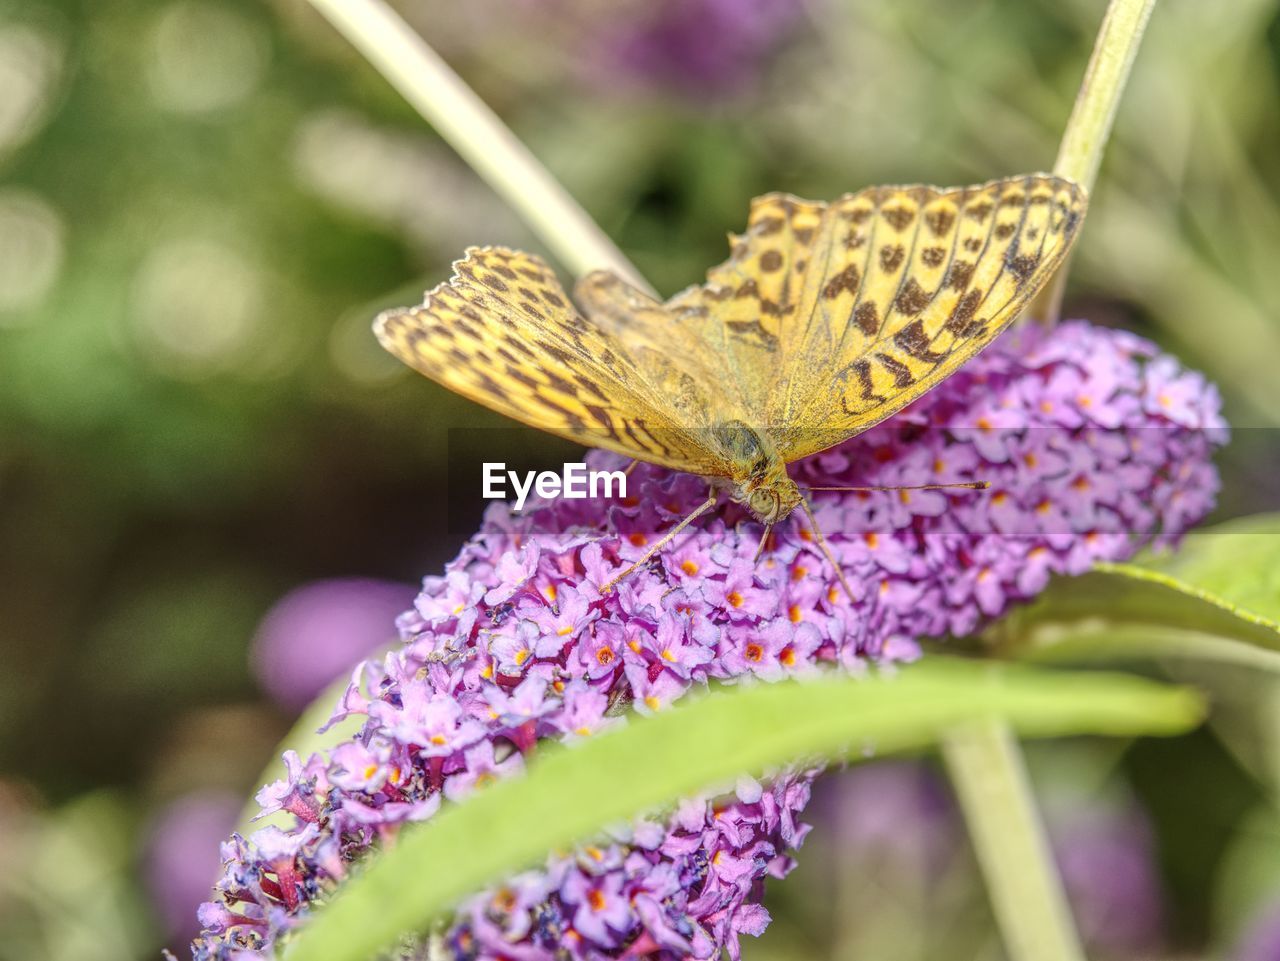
[
  {"x": 962, "y": 314},
  {"x": 915, "y": 342},
  {"x": 867, "y": 318},
  {"x": 899, "y": 218},
  {"x": 939, "y": 220},
  {"x": 891, "y": 257},
  {"x": 979, "y": 211},
  {"x": 1023, "y": 266},
  {"x": 862, "y": 370},
  {"x": 911, "y": 299},
  {"x": 901, "y": 373},
  {"x": 846, "y": 280}
]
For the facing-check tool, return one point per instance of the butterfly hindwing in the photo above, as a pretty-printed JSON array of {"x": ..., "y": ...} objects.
[
  {"x": 671, "y": 354},
  {"x": 750, "y": 306}
]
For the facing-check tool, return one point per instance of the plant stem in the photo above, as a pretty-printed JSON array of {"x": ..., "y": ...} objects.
[
  {"x": 479, "y": 136},
  {"x": 984, "y": 760},
  {"x": 1085, "y": 138},
  {"x": 986, "y": 766}
]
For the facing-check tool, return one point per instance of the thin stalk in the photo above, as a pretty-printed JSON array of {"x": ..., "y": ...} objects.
[
  {"x": 1085, "y": 138},
  {"x": 480, "y": 137},
  {"x": 986, "y": 766}
]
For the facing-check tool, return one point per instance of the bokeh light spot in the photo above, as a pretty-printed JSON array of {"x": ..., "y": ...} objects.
[
  {"x": 356, "y": 353},
  {"x": 30, "y": 64},
  {"x": 197, "y": 305},
  {"x": 204, "y": 57},
  {"x": 32, "y": 243}
]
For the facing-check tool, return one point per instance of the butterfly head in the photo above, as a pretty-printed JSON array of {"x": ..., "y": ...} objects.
[{"x": 771, "y": 500}]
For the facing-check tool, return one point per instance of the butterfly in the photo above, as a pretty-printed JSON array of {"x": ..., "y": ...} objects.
[{"x": 826, "y": 319}]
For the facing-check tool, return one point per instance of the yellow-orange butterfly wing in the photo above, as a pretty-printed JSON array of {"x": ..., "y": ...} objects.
[
  {"x": 832, "y": 317},
  {"x": 502, "y": 332},
  {"x": 826, "y": 319}
]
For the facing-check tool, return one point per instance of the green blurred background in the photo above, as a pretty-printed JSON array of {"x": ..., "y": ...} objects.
[{"x": 204, "y": 202}]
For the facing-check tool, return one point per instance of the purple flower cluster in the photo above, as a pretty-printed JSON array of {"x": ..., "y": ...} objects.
[
  {"x": 703, "y": 48},
  {"x": 1094, "y": 444},
  {"x": 898, "y": 851}
]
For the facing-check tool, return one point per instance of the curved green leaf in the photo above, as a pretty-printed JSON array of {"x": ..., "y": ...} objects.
[
  {"x": 1217, "y": 598},
  {"x": 572, "y": 793}
]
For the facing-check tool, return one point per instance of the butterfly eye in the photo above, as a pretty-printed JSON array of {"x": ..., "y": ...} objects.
[{"x": 763, "y": 501}]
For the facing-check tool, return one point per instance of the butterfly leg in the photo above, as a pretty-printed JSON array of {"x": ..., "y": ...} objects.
[
  {"x": 712, "y": 496},
  {"x": 764, "y": 540},
  {"x": 826, "y": 551}
]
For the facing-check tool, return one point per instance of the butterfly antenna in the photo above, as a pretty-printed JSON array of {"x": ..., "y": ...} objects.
[
  {"x": 958, "y": 485},
  {"x": 826, "y": 551},
  {"x": 764, "y": 539},
  {"x": 710, "y": 502}
]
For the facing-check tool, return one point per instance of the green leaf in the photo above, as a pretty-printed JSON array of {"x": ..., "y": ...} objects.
[
  {"x": 1238, "y": 561},
  {"x": 571, "y": 793},
  {"x": 1217, "y": 598}
]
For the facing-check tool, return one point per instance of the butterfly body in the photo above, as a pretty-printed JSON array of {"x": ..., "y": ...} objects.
[
  {"x": 757, "y": 477},
  {"x": 826, "y": 319}
]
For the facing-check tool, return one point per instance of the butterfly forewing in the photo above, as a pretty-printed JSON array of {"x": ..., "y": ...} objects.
[
  {"x": 872, "y": 300},
  {"x": 502, "y": 332},
  {"x": 973, "y": 260}
]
